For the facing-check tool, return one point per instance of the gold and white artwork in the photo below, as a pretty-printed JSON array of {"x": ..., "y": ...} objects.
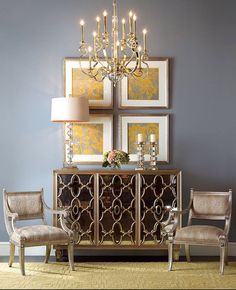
[
  {"x": 132, "y": 125},
  {"x": 91, "y": 139},
  {"x": 78, "y": 84},
  {"x": 149, "y": 91}
]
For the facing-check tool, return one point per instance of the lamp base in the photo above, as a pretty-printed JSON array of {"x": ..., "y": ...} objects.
[{"x": 69, "y": 166}]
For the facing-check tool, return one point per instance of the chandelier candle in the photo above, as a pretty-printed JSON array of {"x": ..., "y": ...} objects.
[
  {"x": 145, "y": 39},
  {"x": 135, "y": 25},
  {"x": 105, "y": 21},
  {"x": 131, "y": 22},
  {"x": 113, "y": 57},
  {"x": 123, "y": 30},
  {"x": 98, "y": 25},
  {"x": 82, "y": 30}
]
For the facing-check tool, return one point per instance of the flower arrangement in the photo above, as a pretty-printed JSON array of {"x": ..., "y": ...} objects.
[{"x": 115, "y": 158}]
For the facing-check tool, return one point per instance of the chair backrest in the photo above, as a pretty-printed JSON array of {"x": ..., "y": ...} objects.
[
  {"x": 28, "y": 205},
  {"x": 211, "y": 205}
]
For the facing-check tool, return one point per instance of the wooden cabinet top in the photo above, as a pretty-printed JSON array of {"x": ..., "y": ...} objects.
[{"x": 116, "y": 171}]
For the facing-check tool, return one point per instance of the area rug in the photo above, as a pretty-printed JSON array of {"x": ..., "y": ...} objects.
[{"x": 117, "y": 275}]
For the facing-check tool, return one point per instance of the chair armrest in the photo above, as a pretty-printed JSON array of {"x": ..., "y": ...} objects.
[
  {"x": 10, "y": 218},
  {"x": 10, "y": 222},
  {"x": 175, "y": 211},
  {"x": 60, "y": 212},
  {"x": 8, "y": 213},
  {"x": 170, "y": 217},
  {"x": 169, "y": 226},
  {"x": 63, "y": 213}
]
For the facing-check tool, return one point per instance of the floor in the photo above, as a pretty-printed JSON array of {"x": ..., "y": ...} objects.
[{"x": 118, "y": 275}]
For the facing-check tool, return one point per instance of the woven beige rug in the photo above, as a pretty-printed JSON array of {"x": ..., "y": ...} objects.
[{"x": 102, "y": 275}]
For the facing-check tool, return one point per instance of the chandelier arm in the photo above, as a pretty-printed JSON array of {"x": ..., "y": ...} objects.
[
  {"x": 136, "y": 65},
  {"x": 105, "y": 56},
  {"x": 104, "y": 51},
  {"x": 143, "y": 71},
  {"x": 130, "y": 59},
  {"x": 89, "y": 71},
  {"x": 98, "y": 61},
  {"x": 146, "y": 64}
]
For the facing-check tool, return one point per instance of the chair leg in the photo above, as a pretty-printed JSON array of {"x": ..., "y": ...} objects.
[
  {"x": 222, "y": 259},
  {"x": 71, "y": 255},
  {"x": 12, "y": 254},
  {"x": 170, "y": 255},
  {"x": 22, "y": 259},
  {"x": 187, "y": 252},
  {"x": 48, "y": 251},
  {"x": 226, "y": 253}
]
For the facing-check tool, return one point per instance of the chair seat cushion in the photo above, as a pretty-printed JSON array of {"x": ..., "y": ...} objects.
[
  {"x": 39, "y": 234},
  {"x": 199, "y": 234}
]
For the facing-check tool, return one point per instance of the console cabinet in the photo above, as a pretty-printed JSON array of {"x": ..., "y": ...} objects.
[{"x": 116, "y": 209}]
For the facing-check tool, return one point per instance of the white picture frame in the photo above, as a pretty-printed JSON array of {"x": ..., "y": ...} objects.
[
  {"x": 105, "y": 100},
  {"x": 162, "y": 139},
  {"x": 141, "y": 87},
  {"x": 86, "y": 141}
]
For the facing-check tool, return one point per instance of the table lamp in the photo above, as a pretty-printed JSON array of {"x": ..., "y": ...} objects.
[{"x": 70, "y": 110}]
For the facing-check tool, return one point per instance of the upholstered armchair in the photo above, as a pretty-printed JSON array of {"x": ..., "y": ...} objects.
[
  {"x": 202, "y": 206},
  {"x": 19, "y": 206}
]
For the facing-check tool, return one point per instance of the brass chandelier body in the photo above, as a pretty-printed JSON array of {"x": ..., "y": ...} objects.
[{"x": 112, "y": 57}]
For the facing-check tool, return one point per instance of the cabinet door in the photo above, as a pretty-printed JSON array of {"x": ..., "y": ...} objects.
[
  {"x": 116, "y": 216},
  {"x": 156, "y": 193},
  {"x": 77, "y": 191}
]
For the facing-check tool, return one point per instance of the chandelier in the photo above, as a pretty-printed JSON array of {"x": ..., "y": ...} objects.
[{"x": 111, "y": 56}]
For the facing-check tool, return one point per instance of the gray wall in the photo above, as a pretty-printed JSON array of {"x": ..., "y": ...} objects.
[{"x": 36, "y": 35}]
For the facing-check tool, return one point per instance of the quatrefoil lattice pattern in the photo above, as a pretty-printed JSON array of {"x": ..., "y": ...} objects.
[
  {"x": 77, "y": 192},
  {"x": 157, "y": 192},
  {"x": 117, "y": 209}
]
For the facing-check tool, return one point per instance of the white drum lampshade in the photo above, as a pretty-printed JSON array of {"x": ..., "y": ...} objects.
[{"x": 70, "y": 110}]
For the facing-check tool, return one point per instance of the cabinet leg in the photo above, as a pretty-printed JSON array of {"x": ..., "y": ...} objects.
[
  {"x": 59, "y": 255},
  {"x": 176, "y": 254}
]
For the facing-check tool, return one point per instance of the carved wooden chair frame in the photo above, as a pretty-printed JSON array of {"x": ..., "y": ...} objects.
[
  {"x": 12, "y": 217},
  {"x": 223, "y": 239}
]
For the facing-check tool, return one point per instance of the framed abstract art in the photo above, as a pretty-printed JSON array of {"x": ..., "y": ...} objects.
[
  {"x": 132, "y": 125},
  {"x": 78, "y": 84},
  {"x": 91, "y": 139},
  {"x": 149, "y": 91}
]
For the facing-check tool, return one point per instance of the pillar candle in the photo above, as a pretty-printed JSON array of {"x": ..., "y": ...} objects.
[
  {"x": 140, "y": 138},
  {"x": 153, "y": 138}
]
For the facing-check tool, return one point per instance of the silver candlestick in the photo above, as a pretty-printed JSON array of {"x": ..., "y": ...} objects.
[
  {"x": 140, "y": 155},
  {"x": 153, "y": 155}
]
